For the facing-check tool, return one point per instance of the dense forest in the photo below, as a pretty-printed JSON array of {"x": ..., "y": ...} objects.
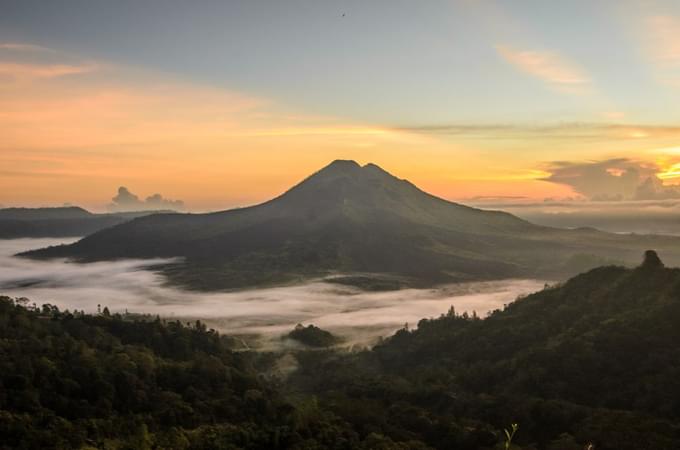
[
  {"x": 590, "y": 363},
  {"x": 593, "y": 361},
  {"x": 71, "y": 380}
]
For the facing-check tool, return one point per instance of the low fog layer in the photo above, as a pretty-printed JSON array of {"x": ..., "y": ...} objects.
[
  {"x": 642, "y": 217},
  {"x": 356, "y": 315}
]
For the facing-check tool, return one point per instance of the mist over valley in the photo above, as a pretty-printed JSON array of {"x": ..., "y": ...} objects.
[{"x": 358, "y": 316}]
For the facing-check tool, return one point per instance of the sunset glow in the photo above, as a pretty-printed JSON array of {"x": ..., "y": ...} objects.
[{"x": 78, "y": 118}]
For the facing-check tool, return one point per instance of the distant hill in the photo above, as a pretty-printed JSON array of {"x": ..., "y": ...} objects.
[
  {"x": 69, "y": 221},
  {"x": 59, "y": 213},
  {"x": 362, "y": 220},
  {"x": 594, "y": 360}
]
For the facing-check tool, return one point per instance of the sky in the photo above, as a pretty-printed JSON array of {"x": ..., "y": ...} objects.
[{"x": 216, "y": 104}]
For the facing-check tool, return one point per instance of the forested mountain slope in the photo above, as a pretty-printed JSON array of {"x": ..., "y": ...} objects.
[{"x": 597, "y": 357}]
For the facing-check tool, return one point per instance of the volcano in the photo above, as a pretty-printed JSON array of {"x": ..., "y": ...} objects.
[{"x": 360, "y": 222}]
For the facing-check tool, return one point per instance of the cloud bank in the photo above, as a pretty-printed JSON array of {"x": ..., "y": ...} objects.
[
  {"x": 636, "y": 216},
  {"x": 586, "y": 131},
  {"x": 127, "y": 201},
  {"x": 612, "y": 180}
]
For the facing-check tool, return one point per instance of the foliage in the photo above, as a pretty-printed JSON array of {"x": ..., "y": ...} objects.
[
  {"x": 313, "y": 336},
  {"x": 595, "y": 361},
  {"x": 71, "y": 380},
  {"x": 509, "y": 435}
]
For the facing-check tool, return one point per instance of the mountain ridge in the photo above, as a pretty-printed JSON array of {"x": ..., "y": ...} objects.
[
  {"x": 61, "y": 221},
  {"x": 347, "y": 218}
]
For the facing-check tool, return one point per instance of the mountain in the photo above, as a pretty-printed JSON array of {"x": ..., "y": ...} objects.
[
  {"x": 59, "y": 213},
  {"x": 593, "y": 360},
  {"x": 349, "y": 219},
  {"x": 70, "y": 221}
]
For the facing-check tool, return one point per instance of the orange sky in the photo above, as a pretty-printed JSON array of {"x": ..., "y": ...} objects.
[
  {"x": 75, "y": 130},
  {"x": 74, "y": 134}
]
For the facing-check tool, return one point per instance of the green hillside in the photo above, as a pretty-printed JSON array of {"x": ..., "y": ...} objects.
[{"x": 594, "y": 360}]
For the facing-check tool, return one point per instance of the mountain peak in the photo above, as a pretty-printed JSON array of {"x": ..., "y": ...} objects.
[
  {"x": 376, "y": 169},
  {"x": 347, "y": 163},
  {"x": 351, "y": 167},
  {"x": 338, "y": 182},
  {"x": 341, "y": 165}
]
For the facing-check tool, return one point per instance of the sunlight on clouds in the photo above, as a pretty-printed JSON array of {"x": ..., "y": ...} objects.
[
  {"x": 670, "y": 173},
  {"x": 668, "y": 150},
  {"x": 614, "y": 115},
  {"x": 23, "y": 47},
  {"x": 118, "y": 126},
  {"x": 72, "y": 124},
  {"x": 311, "y": 131},
  {"x": 502, "y": 174},
  {"x": 668, "y": 161},
  {"x": 638, "y": 134},
  {"x": 663, "y": 45},
  {"x": 24, "y": 72},
  {"x": 547, "y": 66},
  {"x": 664, "y": 32}
]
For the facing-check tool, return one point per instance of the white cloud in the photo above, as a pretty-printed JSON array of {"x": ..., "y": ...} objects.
[
  {"x": 27, "y": 72},
  {"x": 23, "y": 47},
  {"x": 612, "y": 179},
  {"x": 127, "y": 201},
  {"x": 547, "y": 66}
]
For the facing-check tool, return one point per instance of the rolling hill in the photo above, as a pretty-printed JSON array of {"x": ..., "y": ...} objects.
[{"x": 349, "y": 219}]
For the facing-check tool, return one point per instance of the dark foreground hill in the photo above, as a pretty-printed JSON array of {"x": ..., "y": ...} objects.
[
  {"x": 594, "y": 360},
  {"x": 68, "y": 221},
  {"x": 352, "y": 219},
  {"x": 76, "y": 381}
]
